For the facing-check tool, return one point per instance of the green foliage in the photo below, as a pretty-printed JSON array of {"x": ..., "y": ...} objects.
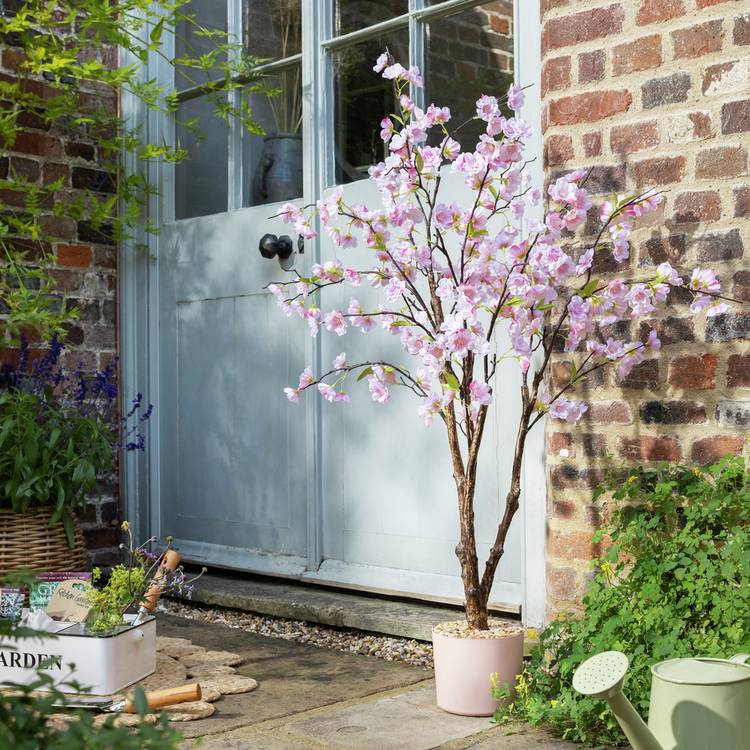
[
  {"x": 24, "y": 713},
  {"x": 674, "y": 583},
  {"x": 50, "y": 453},
  {"x": 67, "y": 85},
  {"x": 124, "y": 587}
]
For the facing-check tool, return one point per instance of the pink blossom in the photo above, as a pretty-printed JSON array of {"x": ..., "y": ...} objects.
[
  {"x": 481, "y": 392},
  {"x": 335, "y": 322},
  {"x": 487, "y": 107},
  {"x": 386, "y": 129},
  {"x": 290, "y": 213},
  {"x": 515, "y": 97},
  {"x": 306, "y": 377},
  {"x": 451, "y": 149},
  {"x": 379, "y": 391},
  {"x": 292, "y": 394},
  {"x": 328, "y": 393},
  {"x": 340, "y": 362},
  {"x": 393, "y": 71},
  {"x": 381, "y": 62}
]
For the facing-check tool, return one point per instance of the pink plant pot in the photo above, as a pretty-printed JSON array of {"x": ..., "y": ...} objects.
[{"x": 464, "y": 669}]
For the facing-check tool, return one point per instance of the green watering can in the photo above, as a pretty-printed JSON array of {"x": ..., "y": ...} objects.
[{"x": 696, "y": 703}]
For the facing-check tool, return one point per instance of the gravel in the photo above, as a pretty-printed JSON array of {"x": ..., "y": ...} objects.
[{"x": 351, "y": 641}]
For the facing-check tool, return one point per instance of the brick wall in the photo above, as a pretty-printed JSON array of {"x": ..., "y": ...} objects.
[
  {"x": 85, "y": 259},
  {"x": 653, "y": 92}
]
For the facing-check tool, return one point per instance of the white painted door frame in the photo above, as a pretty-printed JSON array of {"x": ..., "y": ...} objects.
[{"x": 139, "y": 281}]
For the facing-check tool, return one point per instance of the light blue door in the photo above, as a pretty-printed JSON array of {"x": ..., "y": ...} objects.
[
  {"x": 232, "y": 463},
  {"x": 357, "y": 495}
]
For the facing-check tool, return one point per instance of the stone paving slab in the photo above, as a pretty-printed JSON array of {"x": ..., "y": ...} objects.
[
  {"x": 317, "y": 699},
  {"x": 292, "y": 677},
  {"x": 410, "y": 719}
]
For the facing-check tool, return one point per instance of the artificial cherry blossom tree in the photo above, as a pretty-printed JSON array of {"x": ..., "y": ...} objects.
[{"x": 449, "y": 275}]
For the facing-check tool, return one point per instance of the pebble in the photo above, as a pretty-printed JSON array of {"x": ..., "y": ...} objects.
[{"x": 388, "y": 648}]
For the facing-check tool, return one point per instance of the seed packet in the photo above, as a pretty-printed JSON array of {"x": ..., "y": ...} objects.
[
  {"x": 11, "y": 603},
  {"x": 46, "y": 583}
]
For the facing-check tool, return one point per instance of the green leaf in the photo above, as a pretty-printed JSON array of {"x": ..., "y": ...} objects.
[
  {"x": 451, "y": 381},
  {"x": 590, "y": 288},
  {"x": 155, "y": 35},
  {"x": 364, "y": 374}
]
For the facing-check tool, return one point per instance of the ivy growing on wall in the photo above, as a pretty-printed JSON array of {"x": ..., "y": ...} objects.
[{"x": 68, "y": 76}]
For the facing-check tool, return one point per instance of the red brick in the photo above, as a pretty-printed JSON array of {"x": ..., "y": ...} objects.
[
  {"x": 591, "y": 66},
  {"x": 656, "y": 11},
  {"x": 78, "y": 256},
  {"x": 711, "y": 449},
  {"x": 725, "y": 78},
  {"x": 594, "y": 444},
  {"x": 584, "y": 26},
  {"x": 738, "y": 371},
  {"x": 644, "y": 376},
  {"x": 559, "y": 441},
  {"x": 589, "y": 107},
  {"x": 641, "y": 54},
  {"x": 572, "y": 545},
  {"x": 52, "y": 172},
  {"x": 718, "y": 246},
  {"x": 741, "y": 33},
  {"x": 562, "y": 583},
  {"x": 735, "y": 117},
  {"x": 660, "y": 171},
  {"x": 612, "y": 412},
  {"x": 723, "y": 161},
  {"x": 672, "y": 412},
  {"x": 557, "y": 150},
  {"x": 629, "y": 139},
  {"x": 568, "y": 476},
  {"x": 646, "y": 448},
  {"x": 500, "y": 25},
  {"x": 741, "y": 286},
  {"x": 671, "y": 249},
  {"x": 555, "y": 74},
  {"x": 58, "y": 226},
  {"x": 742, "y": 202},
  {"x": 690, "y": 208},
  {"x": 564, "y": 509},
  {"x": 699, "y": 40},
  {"x": 592, "y": 144},
  {"x": 693, "y": 372},
  {"x": 38, "y": 144}
]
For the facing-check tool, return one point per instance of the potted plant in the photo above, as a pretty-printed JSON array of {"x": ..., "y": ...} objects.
[
  {"x": 59, "y": 432},
  {"x": 451, "y": 274}
]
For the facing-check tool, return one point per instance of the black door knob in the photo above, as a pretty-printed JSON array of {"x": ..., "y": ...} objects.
[{"x": 271, "y": 246}]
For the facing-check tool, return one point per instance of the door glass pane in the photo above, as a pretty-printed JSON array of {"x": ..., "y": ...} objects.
[
  {"x": 351, "y": 15},
  {"x": 272, "y": 164},
  {"x": 190, "y": 42},
  {"x": 201, "y": 179},
  {"x": 362, "y": 99},
  {"x": 469, "y": 54},
  {"x": 272, "y": 30}
]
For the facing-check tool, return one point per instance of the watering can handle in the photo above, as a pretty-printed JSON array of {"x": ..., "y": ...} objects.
[{"x": 740, "y": 658}]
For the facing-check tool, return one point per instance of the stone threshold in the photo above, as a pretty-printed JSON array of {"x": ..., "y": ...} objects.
[{"x": 327, "y": 606}]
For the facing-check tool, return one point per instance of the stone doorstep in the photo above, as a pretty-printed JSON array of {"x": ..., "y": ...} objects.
[{"x": 338, "y": 608}]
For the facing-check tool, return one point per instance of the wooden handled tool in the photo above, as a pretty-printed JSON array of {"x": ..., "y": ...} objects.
[
  {"x": 155, "y": 700},
  {"x": 167, "y": 697},
  {"x": 170, "y": 561}
]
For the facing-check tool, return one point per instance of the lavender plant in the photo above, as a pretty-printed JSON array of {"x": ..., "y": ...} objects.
[{"x": 60, "y": 431}]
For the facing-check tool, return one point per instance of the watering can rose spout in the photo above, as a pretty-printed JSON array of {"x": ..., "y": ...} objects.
[
  {"x": 696, "y": 703},
  {"x": 602, "y": 676}
]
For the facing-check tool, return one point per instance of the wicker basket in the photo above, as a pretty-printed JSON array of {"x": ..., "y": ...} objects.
[{"x": 28, "y": 541}]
